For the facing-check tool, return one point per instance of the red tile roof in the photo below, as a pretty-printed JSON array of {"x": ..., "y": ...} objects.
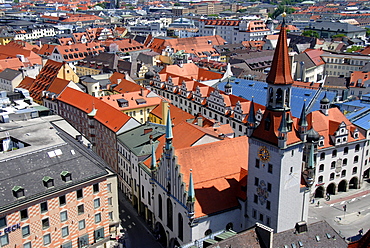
[
  {"x": 105, "y": 114},
  {"x": 280, "y": 67},
  {"x": 123, "y": 85}
]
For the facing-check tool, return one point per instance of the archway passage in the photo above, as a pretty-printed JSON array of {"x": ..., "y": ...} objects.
[
  {"x": 331, "y": 189},
  {"x": 319, "y": 192},
  {"x": 174, "y": 243},
  {"x": 342, "y": 186},
  {"x": 160, "y": 234},
  {"x": 353, "y": 183}
]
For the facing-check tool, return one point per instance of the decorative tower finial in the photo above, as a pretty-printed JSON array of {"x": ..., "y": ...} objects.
[
  {"x": 303, "y": 124},
  {"x": 324, "y": 105},
  {"x": 191, "y": 197},
  {"x": 251, "y": 121},
  {"x": 169, "y": 135},
  {"x": 153, "y": 164},
  {"x": 283, "y": 131}
]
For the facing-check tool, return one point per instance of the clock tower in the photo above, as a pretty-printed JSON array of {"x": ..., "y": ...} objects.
[{"x": 276, "y": 196}]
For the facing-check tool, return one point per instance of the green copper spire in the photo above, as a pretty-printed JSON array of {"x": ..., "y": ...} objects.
[
  {"x": 191, "y": 191},
  {"x": 283, "y": 128},
  {"x": 303, "y": 118},
  {"x": 153, "y": 164},
  {"x": 169, "y": 135},
  {"x": 311, "y": 162},
  {"x": 251, "y": 117}
]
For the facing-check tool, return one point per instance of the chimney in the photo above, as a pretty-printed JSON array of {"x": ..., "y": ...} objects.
[
  {"x": 148, "y": 130},
  {"x": 141, "y": 92},
  {"x": 164, "y": 112},
  {"x": 200, "y": 121},
  {"x": 301, "y": 227}
]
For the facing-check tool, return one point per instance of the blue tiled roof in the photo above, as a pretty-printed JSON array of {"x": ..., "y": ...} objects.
[
  {"x": 361, "y": 117},
  {"x": 256, "y": 89}
]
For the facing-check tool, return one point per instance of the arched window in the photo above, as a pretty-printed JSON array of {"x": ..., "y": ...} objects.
[
  {"x": 279, "y": 96},
  {"x": 332, "y": 166},
  {"x": 344, "y": 173},
  {"x": 332, "y": 176},
  {"x": 355, "y": 160},
  {"x": 357, "y": 148},
  {"x": 169, "y": 214},
  {"x": 180, "y": 227},
  {"x": 345, "y": 162},
  {"x": 322, "y": 156},
  {"x": 160, "y": 206},
  {"x": 321, "y": 179},
  {"x": 334, "y": 153},
  {"x": 321, "y": 167},
  {"x": 354, "y": 170},
  {"x": 271, "y": 95}
]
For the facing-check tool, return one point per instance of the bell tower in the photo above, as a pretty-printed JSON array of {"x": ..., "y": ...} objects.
[{"x": 280, "y": 77}]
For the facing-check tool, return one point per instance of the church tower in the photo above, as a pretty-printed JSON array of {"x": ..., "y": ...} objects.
[{"x": 274, "y": 193}]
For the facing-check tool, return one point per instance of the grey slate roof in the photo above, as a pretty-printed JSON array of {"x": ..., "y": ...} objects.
[
  {"x": 138, "y": 140},
  {"x": 335, "y": 26},
  {"x": 308, "y": 239},
  {"x": 9, "y": 74},
  {"x": 27, "y": 166}
]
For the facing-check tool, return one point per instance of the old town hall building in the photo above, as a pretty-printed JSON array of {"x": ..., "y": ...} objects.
[{"x": 192, "y": 188}]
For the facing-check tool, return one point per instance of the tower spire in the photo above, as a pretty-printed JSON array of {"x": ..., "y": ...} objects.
[
  {"x": 153, "y": 164},
  {"x": 169, "y": 134},
  {"x": 251, "y": 121},
  {"x": 280, "y": 68},
  {"x": 191, "y": 191},
  {"x": 303, "y": 124}
]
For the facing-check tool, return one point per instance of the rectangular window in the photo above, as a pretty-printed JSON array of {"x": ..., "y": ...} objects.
[
  {"x": 81, "y": 224},
  {"x": 47, "y": 239},
  {"x": 25, "y": 231},
  {"x": 255, "y": 198},
  {"x": 79, "y": 194},
  {"x": 256, "y": 181},
  {"x": 45, "y": 223},
  {"x": 269, "y": 168},
  {"x": 99, "y": 234},
  {"x": 2, "y": 222},
  {"x": 96, "y": 188},
  {"x": 257, "y": 163},
  {"x": 109, "y": 187},
  {"x": 83, "y": 241},
  {"x": 97, "y": 218},
  {"x": 267, "y": 220},
  {"x": 63, "y": 216},
  {"x": 62, "y": 200},
  {"x": 269, "y": 187},
  {"x": 80, "y": 209},
  {"x": 27, "y": 245},
  {"x": 65, "y": 231},
  {"x": 4, "y": 240},
  {"x": 261, "y": 217},
  {"x": 97, "y": 203},
  {"x": 254, "y": 213},
  {"x": 268, "y": 205},
  {"x": 110, "y": 216},
  {"x": 110, "y": 201},
  {"x": 44, "y": 207},
  {"x": 24, "y": 214}
]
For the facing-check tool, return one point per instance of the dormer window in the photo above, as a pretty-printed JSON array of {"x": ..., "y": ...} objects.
[
  {"x": 18, "y": 191},
  {"x": 48, "y": 182},
  {"x": 66, "y": 176}
]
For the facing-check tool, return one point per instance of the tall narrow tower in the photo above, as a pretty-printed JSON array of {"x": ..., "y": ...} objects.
[{"x": 275, "y": 195}]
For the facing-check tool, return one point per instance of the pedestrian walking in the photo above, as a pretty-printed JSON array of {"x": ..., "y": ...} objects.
[{"x": 318, "y": 203}]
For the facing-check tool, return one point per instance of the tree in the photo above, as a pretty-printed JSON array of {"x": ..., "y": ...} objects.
[
  {"x": 367, "y": 32},
  {"x": 338, "y": 35},
  {"x": 281, "y": 9},
  {"x": 310, "y": 33},
  {"x": 353, "y": 49},
  {"x": 177, "y": 4}
]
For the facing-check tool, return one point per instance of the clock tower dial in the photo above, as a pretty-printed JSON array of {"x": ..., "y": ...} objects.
[{"x": 264, "y": 154}]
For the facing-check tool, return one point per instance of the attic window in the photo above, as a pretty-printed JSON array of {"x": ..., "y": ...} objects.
[
  {"x": 48, "y": 182},
  {"x": 18, "y": 191},
  {"x": 328, "y": 235},
  {"x": 66, "y": 176},
  {"x": 317, "y": 237}
]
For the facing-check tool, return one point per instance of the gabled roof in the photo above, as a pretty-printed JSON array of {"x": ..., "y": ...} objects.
[
  {"x": 58, "y": 85},
  {"x": 123, "y": 85},
  {"x": 107, "y": 115},
  {"x": 327, "y": 125}
]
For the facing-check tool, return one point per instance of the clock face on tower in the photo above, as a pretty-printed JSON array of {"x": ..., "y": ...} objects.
[{"x": 264, "y": 154}]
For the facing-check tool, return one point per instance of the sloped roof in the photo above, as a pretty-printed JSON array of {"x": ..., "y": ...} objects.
[
  {"x": 327, "y": 125},
  {"x": 107, "y": 115},
  {"x": 123, "y": 85},
  {"x": 217, "y": 169},
  {"x": 58, "y": 85},
  {"x": 177, "y": 115},
  {"x": 11, "y": 63}
]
